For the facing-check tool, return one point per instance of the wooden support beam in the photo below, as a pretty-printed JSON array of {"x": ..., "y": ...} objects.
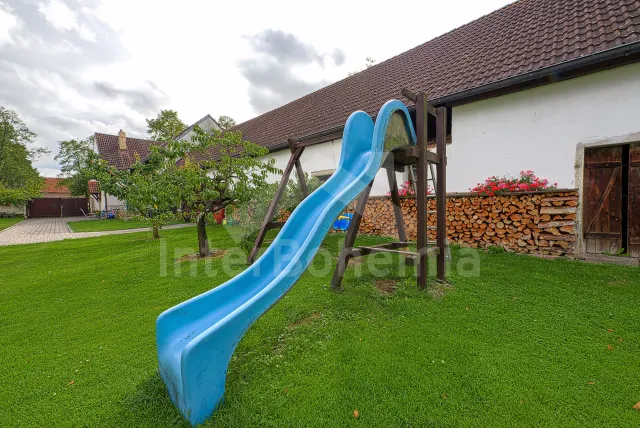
[
  {"x": 413, "y": 97},
  {"x": 273, "y": 206},
  {"x": 441, "y": 191},
  {"x": 412, "y": 261},
  {"x": 350, "y": 239},
  {"x": 422, "y": 124},
  {"x": 275, "y": 225},
  {"x": 397, "y": 208},
  {"x": 299, "y": 171},
  {"x": 364, "y": 251}
]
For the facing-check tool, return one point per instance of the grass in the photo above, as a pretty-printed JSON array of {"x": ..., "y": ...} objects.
[
  {"x": 526, "y": 341},
  {"x": 105, "y": 225},
  {"x": 8, "y": 222}
]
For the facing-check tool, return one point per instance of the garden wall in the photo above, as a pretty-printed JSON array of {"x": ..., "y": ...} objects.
[
  {"x": 538, "y": 223},
  {"x": 12, "y": 210}
]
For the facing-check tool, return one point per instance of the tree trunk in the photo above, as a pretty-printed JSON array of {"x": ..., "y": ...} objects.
[
  {"x": 156, "y": 233},
  {"x": 203, "y": 241}
]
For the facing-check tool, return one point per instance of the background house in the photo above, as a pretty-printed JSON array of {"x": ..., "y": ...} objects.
[{"x": 121, "y": 151}]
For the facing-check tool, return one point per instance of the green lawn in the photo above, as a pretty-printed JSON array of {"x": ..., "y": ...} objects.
[
  {"x": 525, "y": 342},
  {"x": 108, "y": 224},
  {"x": 7, "y": 222}
]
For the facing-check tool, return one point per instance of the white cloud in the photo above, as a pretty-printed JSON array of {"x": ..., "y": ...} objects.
[
  {"x": 74, "y": 67},
  {"x": 62, "y": 18},
  {"x": 8, "y": 24}
]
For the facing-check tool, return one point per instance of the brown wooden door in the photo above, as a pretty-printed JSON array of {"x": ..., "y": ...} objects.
[
  {"x": 602, "y": 202},
  {"x": 634, "y": 201},
  {"x": 57, "y": 207}
]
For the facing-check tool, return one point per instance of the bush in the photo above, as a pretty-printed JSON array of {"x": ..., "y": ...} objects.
[
  {"x": 527, "y": 182},
  {"x": 251, "y": 214}
]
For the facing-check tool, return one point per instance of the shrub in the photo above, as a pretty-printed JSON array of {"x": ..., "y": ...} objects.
[
  {"x": 250, "y": 215},
  {"x": 527, "y": 182}
]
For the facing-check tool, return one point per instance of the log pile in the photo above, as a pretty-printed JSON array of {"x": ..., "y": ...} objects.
[{"x": 539, "y": 223}]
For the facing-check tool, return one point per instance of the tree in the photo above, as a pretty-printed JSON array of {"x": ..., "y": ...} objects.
[
  {"x": 368, "y": 63},
  {"x": 226, "y": 122},
  {"x": 208, "y": 184},
  {"x": 19, "y": 180},
  {"x": 147, "y": 188},
  {"x": 185, "y": 175},
  {"x": 165, "y": 126},
  {"x": 74, "y": 157}
]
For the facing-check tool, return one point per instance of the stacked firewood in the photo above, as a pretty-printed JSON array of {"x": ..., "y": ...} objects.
[{"x": 541, "y": 223}]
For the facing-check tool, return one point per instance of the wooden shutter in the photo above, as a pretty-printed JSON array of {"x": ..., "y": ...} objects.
[
  {"x": 602, "y": 203},
  {"x": 634, "y": 201}
]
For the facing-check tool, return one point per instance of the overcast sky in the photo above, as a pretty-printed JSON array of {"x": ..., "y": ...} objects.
[{"x": 74, "y": 67}]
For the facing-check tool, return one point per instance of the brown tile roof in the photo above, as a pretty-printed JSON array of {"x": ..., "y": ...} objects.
[
  {"x": 93, "y": 186},
  {"x": 521, "y": 37},
  {"x": 109, "y": 150},
  {"x": 51, "y": 186}
]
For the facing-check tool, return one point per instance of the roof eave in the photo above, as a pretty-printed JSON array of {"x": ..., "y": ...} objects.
[
  {"x": 566, "y": 70},
  {"x": 562, "y": 71}
]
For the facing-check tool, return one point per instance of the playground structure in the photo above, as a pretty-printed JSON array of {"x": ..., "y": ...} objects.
[
  {"x": 196, "y": 339},
  {"x": 395, "y": 160}
]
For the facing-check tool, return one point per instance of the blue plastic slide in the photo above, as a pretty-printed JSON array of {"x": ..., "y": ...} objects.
[{"x": 196, "y": 338}]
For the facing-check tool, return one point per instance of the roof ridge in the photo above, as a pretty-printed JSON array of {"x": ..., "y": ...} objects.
[{"x": 188, "y": 128}]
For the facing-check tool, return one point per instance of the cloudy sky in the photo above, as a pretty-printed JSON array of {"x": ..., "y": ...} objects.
[{"x": 74, "y": 67}]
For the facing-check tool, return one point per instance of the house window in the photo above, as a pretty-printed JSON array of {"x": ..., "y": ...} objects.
[{"x": 323, "y": 175}]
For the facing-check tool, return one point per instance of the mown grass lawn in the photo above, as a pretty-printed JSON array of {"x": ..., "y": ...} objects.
[
  {"x": 8, "y": 222},
  {"x": 106, "y": 224},
  {"x": 526, "y": 341}
]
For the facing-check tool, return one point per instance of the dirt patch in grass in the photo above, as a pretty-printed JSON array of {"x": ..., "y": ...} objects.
[
  {"x": 215, "y": 254},
  {"x": 386, "y": 286},
  {"x": 355, "y": 261},
  {"x": 306, "y": 320},
  {"x": 439, "y": 289},
  {"x": 618, "y": 283}
]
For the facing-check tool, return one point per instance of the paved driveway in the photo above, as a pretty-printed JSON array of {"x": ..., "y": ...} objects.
[{"x": 34, "y": 230}]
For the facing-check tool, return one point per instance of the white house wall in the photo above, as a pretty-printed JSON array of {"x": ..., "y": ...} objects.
[
  {"x": 322, "y": 157},
  {"x": 112, "y": 202},
  {"x": 540, "y": 128},
  {"x": 206, "y": 124}
]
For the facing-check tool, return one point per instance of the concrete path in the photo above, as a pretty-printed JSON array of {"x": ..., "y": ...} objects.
[{"x": 34, "y": 230}]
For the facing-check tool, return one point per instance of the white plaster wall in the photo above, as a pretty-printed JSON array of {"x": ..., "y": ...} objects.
[
  {"x": 326, "y": 156},
  {"x": 540, "y": 128},
  {"x": 206, "y": 124},
  {"x": 112, "y": 202}
]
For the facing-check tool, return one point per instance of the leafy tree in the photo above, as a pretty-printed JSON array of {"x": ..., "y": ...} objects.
[
  {"x": 208, "y": 184},
  {"x": 165, "y": 126},
  {"x": 74, "y": 157},
  {"x": 19, "y": 180},
  {"x": 200, "y": 177},
  {"x": 226, "y": 122},
  {"x": 17, "y": 196},
  {"x": 149, "y": 192}
]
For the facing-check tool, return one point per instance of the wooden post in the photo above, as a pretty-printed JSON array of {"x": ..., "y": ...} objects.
[
  {"x": 299, "y": 171},
  {"x": 441, "y": 191},
  {"x": 421, "y": 198},
  {"x": 397, "y": 209},
  {"x": 273, "y": 206},
  {"x": 350, "y": 239}
]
